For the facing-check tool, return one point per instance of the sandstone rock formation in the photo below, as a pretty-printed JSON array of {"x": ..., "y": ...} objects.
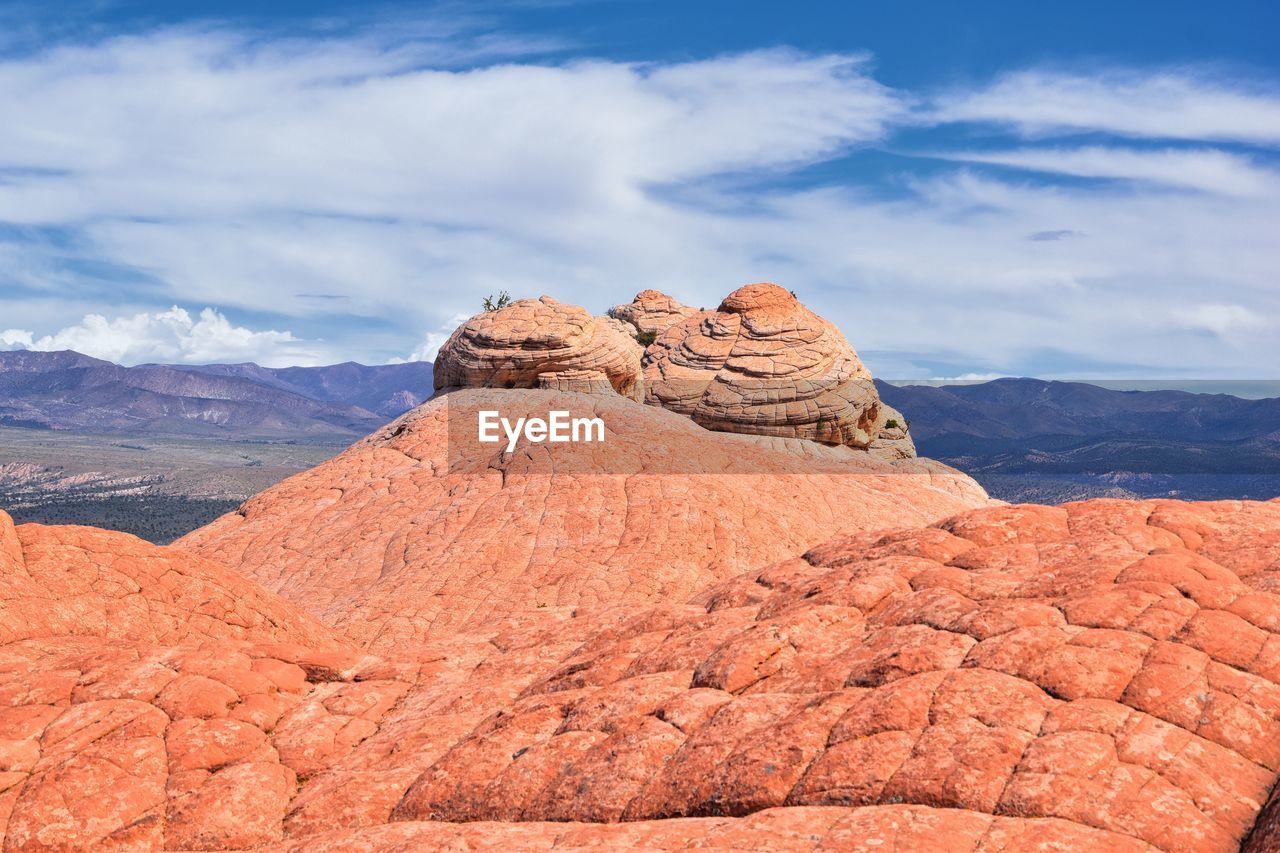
[
  {"x": 652, "y": 312},
  {"x": 766, "y": 365},
  {"x": 868, "y": 829},
  {"x": 1096, "y": 676},
  {"x": 762, "y": 364},
  {"x": 578, "y": 381},
  {"x": 137, "y": 687},
  {"x": 1110, "y": 664},
  {"x": 513, "y": 346},
  {"x": 420, "y": 531},
  {"x": 760, "y": 637},
  {"x": 81, "y": 581},
  {"x": 892, "y": 441}
]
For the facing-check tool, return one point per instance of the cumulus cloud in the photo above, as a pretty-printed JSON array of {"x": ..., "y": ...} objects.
[
  {"x": 427, "y": 351},
  {"x": 16, "y": 339},
  {"x": 213, "y": 168},
  {"x": 169, "y": 336}
]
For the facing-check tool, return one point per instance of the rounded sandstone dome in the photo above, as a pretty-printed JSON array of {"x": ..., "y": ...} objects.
[
  {"x": 762, "y": 296},
  {"x": 652, "y": 311},
  {"x": 514, "y": 346},
  {"x": 764, "y": 364}
]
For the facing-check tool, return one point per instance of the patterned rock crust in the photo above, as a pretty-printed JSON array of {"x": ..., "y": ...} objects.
[
  {"x": 764, "y": 364},
  {"x": 1102, "y": 675},
  {"x": 420, "y": 531},
  {"x": 513, "y": 346},
  {"x": 893, "y": 441},
  {"x": 69, "y": 581},
  {"x": 652, "y": 312}
]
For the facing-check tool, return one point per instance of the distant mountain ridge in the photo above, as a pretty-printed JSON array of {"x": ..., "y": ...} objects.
[
  {"x": 68, "y": 390},
  {"x": 388, "y": 389},
  {"x": 1018, "y": 408},
  {"x": 1023, "y": 439},
  {"x": 1031, "y": 439}
]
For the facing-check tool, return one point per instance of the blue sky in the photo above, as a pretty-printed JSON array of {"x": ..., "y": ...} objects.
[{"x": 967, "y": 189}]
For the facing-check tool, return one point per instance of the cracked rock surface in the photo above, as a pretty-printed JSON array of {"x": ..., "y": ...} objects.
[
  {"x": 420, "y": 530},
  {"x": 868, "y": 656}
]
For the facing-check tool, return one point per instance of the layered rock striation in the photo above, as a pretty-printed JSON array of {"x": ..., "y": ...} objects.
[
  {"x": 761, "y": 364},
  {"x": 652, "y": 312},
  {"x": 764, "y": 364},
  {"x": 513, "y": 347}
]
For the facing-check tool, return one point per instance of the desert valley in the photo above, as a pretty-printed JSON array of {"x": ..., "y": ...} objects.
[{"x": 753, "y": 617}]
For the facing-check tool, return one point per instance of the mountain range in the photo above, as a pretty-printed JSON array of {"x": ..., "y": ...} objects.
[
  {"x": 67, "y": 390},
  {"x": 1030, "y": 439},
  {"x": 388, "y": 390},
  {"x": 1023, "y": 439}
]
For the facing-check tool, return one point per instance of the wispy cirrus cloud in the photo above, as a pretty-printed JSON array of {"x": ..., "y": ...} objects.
[
  {"x": 250, "y": 172},
  {"x": 243, "y": 174},
  {"x": 1154, "y": 104},
  {"x": 1204, "y": 169}
]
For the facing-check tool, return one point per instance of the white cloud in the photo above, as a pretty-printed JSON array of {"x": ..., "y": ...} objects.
[
  {"x": 200, "y": 125},
  {"x": 1221, "y": 320},
  {"x": 1207, "y": 170},
  {"x": 16, "y": 339},
  {"x": 245, "y": 175},
  {"x": 1160, "y": 105},
  {"x": 253, "y": 175},
  {"x": 950, "y": 270},
  {"x": 427, "y": 351},
  {"x": 168, "y": 336}
]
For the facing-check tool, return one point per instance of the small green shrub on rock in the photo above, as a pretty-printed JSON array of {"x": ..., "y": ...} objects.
[{"x": 503, "y": 300}]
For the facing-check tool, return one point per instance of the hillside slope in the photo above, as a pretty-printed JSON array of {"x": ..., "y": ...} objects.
[
  {"x": 1027, "y": 439},
  {"x": 386, "y": 389},
  {"x": 419, "y": 530},
  {"x": 69, "y": 391}
]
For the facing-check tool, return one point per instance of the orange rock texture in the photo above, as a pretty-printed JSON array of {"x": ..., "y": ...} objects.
[
  {"x": 420, "y": 531},
  {"x": 652, "y": 312},
  {"x": 757, "y": 636},
  {"x": 1097, "y": 676},
  {"x": 62, "y": 581},
  {"x": 764, "y": 364},
  {"x": 513, "y": 346}
]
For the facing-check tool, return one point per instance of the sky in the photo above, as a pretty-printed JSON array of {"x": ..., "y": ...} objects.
[{"x": 1084, "y": 190}]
